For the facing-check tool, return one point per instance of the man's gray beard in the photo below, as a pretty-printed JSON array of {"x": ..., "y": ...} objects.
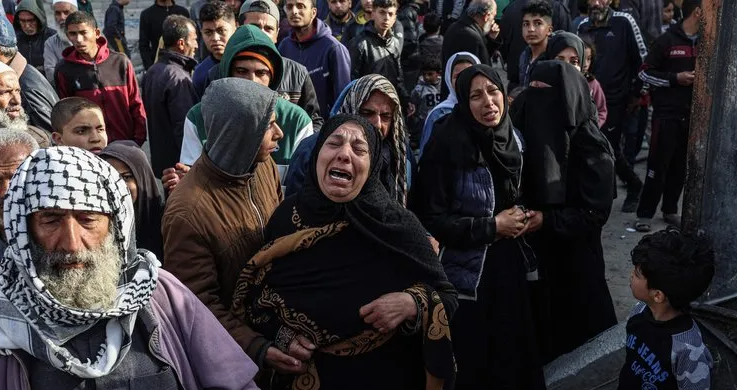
[
  {"x": 62, "y": 36},
  {"x": 597, "y": 15},
  {"x": 91, "y": 287},
  {"x": 487, "y": 27},
  {"x": 20, "y": 123}
]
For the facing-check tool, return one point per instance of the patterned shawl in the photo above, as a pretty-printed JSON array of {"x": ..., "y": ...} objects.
[
  {"x": 355, "y": 97},
  {"x": 33, "y": 320}
]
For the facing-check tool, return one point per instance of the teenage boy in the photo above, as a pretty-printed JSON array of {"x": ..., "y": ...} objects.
[
  {"x": 339, "y": 16},
  {"x": 218, "y": 25},
  {"x": 664, "y": 347},
  {"x": 669, "y": 69},
  {"x": 537, "y": 25},
  {"x": 79, "y": 122}
]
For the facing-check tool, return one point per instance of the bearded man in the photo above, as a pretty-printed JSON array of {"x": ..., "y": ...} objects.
[
  {"x": 12, "y": 114},
  {"x": 82, "y": 306}
]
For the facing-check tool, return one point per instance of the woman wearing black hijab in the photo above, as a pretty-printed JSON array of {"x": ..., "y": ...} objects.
[
  {"x": 569, "y": 179},
  {"x": 348, "y": 283},
  {"x": 466, "y": 194},
  {"x": 131, "y": 162}
]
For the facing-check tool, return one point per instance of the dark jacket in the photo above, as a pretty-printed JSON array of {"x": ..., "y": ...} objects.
[
  {"x": 407, "y": 17},
  {"x": 168, "y": 94},
  {"x": 32, "y": 47},
  {"x": 620, "y": 49},
  {"x": 355, "y": 26},
  {"x": 37, "y": 95},
  {"x": 151, "y": 26},
  {"x": 647, "y": 14},
  {"x": 672, "y": 53},
  {"x": 114, "y": 28},
  {"x": 337, "y": 26},
  {"x": 431, "y": 46},
  {"x": 111, "y": 83},
  {"x": 371, "y": 53},
  {"x": 511, "y": 34},
  {"x": 326, "y": 60},
  {"x": 466, "y": 35}
]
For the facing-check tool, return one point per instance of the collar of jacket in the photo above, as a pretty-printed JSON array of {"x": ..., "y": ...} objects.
[
  {"x": 332, "y": 20},
  {"x": 156, "y": 3},
  {"x": 371, "y": 29},
  {"x": 468, "y": 21},
  {"x": 213, "y": 173},
  {"x": 172, "y": 57}
]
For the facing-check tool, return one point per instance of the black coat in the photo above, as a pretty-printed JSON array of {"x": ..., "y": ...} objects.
[
  {"x": 466, "y": 35},
  {"x": 150, "y": 30},
  {"x": 168, "y": 94},
  {"x": 407, "y": 16}
]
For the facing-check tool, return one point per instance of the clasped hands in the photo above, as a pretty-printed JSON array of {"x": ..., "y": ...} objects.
[{"x": 515, "y": 222}]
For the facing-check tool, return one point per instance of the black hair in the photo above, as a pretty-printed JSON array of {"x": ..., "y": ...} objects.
[
  {"x": 431, "y": 63},
  {"x": 588, "y": 43},
  {"x": 678, "y": 264},
  {"x": 65, "y": 109},
  {"x": 666, "y": 3},
  {"x": 431, "y": 23},
  {"x": 540, "y": 8},
  {"x": 215, "y": 10},
  {"x": 386, "y": 4},
  {"x": 174, "y": 28},
  {"x": 80, "y": 17},
  {"x": 689, "y": 6}
]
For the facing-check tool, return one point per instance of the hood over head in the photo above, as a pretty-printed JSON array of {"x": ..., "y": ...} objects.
[
  {"x": 33, "y": 7},
  {"x": 237, "y": 113},
  {"x": 562, "y": 40},
  {"x": 250, "y": 38}
]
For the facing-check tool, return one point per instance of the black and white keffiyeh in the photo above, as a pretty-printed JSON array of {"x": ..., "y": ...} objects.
[{"x": 31, "y": 318}]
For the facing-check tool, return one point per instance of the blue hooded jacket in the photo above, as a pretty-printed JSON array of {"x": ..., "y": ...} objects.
[{"x": 327, "y": 61}]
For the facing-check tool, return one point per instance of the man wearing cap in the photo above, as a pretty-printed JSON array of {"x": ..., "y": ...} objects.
[
  {"x": 82, "y": 306},
  {"x": 37, "y": 95},
  {"x": 57, "y": 43},
  {"x": 32, "y": 32}
]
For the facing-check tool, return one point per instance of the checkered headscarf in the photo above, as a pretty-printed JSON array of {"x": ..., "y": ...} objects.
[{"x": 33, "y": 320}]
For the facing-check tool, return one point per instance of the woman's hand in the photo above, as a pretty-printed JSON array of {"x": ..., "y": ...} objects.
[
  {"x": 300, "y": 351},
  {"x": 510, "y": 222},
  {"x": 390, "y": 310}
]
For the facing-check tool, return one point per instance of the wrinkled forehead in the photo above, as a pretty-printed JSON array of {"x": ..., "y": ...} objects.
[{"x": 379, "y": 101}]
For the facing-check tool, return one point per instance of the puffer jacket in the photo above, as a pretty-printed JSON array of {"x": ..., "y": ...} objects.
[{"x": 32, "y": 47}]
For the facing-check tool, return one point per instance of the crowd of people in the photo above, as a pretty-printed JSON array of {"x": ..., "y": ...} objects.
[{"x": 377, "y": 194}]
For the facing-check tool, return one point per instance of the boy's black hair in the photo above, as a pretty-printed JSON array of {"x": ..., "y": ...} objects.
[
  {"x": 539, "y": 8},
  {"x": 431, "y": 63},
  {"x": 215, "y": 10},
  {"x": 689, "y": 6},
  {"x": 64, "y": 110},
  {"x": 386, "y": 4},
  {"x": 80, "y": 17},
  {"x": 431, "y": 23},
  {"x": 678, "y": 264},
  {"x": 174, "y": 28}
]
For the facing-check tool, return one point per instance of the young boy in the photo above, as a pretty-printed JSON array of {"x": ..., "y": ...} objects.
[
  {"x": 431, "y": 42},
  {"x": 537, "y": 25},
  {"x": 665, "y": 350},
  {"x": 78, "y": 122},
  {"x": 425, "y": 97},
  {"x": 114, "y": 27}
]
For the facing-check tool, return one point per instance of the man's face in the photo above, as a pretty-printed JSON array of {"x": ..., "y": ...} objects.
[
  {"x": 251, "y": 69},
  {"x": 379, "y": 110},
  {"x": 235, "y": 5},
  {"x": 216, "y": 33},
  {"x": 535, "y": 29},
  {"x": 264, "y": 22},
  {"x": 384, "y": 19},
  {"x": 270, "y": 142},
  {"x": 76, "y": 257},
  {"x": 10, "y": 100},
  {"x": 84, "y": 38},
  {"x": 10, "y": 158},
  {"x": 368, "y": 7},
  {"x": 61, "y": 12},
  {"x": 191, "y": 45},
  {"x": 28, "y": 22},
  {"x": 300, "y": 13},
  {"x": 86, "y": 130},
  {"x": 339, "y": 8},
  {"x": 598, "y": 9}
]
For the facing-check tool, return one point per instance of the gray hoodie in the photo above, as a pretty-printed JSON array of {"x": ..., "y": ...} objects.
[
  {"x": 236, "y": 113},
  {"x": 32, "y": 47},
  {"x": 52, "y": 54}
]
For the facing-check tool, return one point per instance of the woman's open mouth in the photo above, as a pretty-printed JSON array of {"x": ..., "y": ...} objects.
[{"x": 340, "y": 175}]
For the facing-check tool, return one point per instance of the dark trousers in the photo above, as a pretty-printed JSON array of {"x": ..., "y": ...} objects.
[
  {"x": 613, "y": 129},
  {"x": 635, "y": 133},
  {"x": 666, "y": 167}
]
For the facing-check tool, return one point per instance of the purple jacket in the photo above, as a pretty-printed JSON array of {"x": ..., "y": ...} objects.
[
  {"x": 186, "y": 336},
  {"x": 327, "y": 61}
]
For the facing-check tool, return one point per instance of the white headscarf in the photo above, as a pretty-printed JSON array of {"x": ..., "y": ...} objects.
[
  {"x": 33, "y": 320},
  {"x": 452, "y": 99}
]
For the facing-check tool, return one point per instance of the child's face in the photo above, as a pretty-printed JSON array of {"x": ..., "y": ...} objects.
[
  {"x": 638, "y": 285},
  {"x": 587, "y": 60},
  {"x": 668, "y": 13},
  {"x": 431, "y": 76},
  {"x": 85, "y": 130},
  {"x": 535, "y": 29}
]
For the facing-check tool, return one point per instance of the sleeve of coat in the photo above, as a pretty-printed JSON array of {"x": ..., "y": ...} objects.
[
  {"x": 135, "y": 106},
  {"x": 357, "y": 59},
  {"x": 340, "y": 68},
  {"x": 188, "y": 257},
  {"x": 652, "y": 72},
  {"x": 181, "y": 98},
  {"x": 308, "y": 102},
  {"x": 50, "y": 59}
]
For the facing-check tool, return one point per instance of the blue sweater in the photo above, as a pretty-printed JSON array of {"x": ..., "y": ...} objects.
[{"x": 199, "y": 77}]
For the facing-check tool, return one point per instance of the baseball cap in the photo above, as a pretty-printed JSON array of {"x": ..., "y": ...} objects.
[{"x": 263, "y": 6}]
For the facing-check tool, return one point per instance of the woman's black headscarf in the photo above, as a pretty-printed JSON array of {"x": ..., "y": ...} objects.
[
  {"x": 373, "y": 212},
  {"x": 498, "y": 145},
  {"x": 562, "y": 40},
  {"x": 149, "y": 205},
  {"x": 556, "y": 122}
]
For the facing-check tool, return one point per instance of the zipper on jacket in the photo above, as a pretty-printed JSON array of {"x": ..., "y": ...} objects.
[{"x": 253, "y": 203}]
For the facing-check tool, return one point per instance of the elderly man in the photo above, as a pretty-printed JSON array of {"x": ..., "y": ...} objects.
[
  {"x": 54, "y": 46},
  {"x": 15, "y": 146},
  {"x": 32, "y": 31},
  {"x": 12, "y": 114},
  {"x": 82, "y": 307},
  {"x": 38, "y": 96}
]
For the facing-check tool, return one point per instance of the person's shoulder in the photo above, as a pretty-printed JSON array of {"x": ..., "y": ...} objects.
[{"x": 624, "y": 19}]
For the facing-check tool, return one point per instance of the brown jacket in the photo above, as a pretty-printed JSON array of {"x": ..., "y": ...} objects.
[{"x": 212, "y": 225}]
